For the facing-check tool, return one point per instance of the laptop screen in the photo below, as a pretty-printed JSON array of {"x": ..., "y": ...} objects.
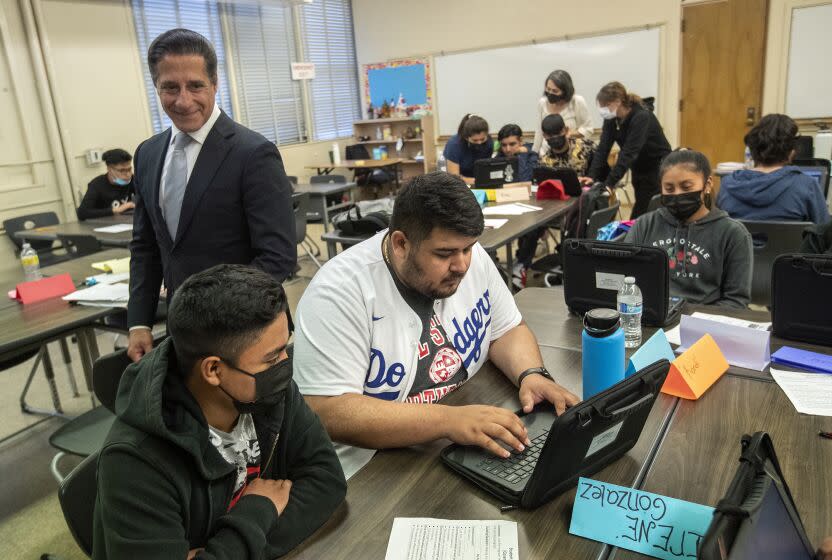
[
  {"x": 773, "y": 536},
  {"x": 814, "y": 173}
]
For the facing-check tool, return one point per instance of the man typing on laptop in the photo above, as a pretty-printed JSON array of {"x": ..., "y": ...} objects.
[{"x": 391, "y": 325}]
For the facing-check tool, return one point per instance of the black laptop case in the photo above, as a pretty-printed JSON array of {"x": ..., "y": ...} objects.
[
  {"x": 801, "y": 306},
  {"x": 571, "y": 436},
  {"x": 587, "y": 263},
  {"x": 566, "y": 175}
]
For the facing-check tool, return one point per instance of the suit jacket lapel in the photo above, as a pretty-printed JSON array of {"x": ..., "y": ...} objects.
[
  {"x": 211, "y": 156},
  {"x": 158, "y": 152}
]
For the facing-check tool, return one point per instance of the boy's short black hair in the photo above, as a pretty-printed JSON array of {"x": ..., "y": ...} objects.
[
  {"x": 434, "y": 200},
  {"x": 772, "y": 140},
  {"x": 552, "y": 125},
  {"x": 116, "y": 156},
  {"x": 221, "y": 312},
  {"x": 510, "y": 130}
]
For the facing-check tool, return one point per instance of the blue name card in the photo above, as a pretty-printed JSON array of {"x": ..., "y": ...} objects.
[
  {"x": 640, "y": 521},
  {"x": 803, "y": 359},
  {"x": 656, "y": 348}
]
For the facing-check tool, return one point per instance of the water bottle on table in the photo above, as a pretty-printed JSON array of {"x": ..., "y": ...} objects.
[
  {"x": 602, "y": 344},
  {"x": 31, "y": 263},
  {"x": 629, "y": 306}
]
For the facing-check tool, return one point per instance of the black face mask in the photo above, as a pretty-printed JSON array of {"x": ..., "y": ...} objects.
[
  {"x": 557, "y": 143},
  {"x": 269, "y": 386},
  {"x": 483, "y": 149},
  {"x": 682, "y": 206},
  {"x": 554, "y": 98}
]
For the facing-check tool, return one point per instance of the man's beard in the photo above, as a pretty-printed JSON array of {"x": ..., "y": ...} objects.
[{"x": 414, "y": 277}]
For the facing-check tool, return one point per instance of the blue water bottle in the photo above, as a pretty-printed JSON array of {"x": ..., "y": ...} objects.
[{"x": 603, "y": 351}]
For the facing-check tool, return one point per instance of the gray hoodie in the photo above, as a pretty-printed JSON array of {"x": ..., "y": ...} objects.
[{"x": 710, "y": 259}]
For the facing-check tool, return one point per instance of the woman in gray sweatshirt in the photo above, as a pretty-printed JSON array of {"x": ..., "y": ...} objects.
[{"x": 709, "y": 254}]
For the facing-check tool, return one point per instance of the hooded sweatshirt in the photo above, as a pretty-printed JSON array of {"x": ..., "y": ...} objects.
[
  {"x": 710, "y": 260},
  {"x": 785, "y": 194},
  {"x": 164, "y": 489}
]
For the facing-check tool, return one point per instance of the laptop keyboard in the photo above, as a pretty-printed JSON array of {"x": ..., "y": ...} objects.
[{"x": 519, "y": 466}]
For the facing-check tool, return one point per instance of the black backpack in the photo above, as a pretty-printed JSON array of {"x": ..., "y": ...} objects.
[
  {"x": 353, "y": 223},
  {"x": 576, "y": 218}
]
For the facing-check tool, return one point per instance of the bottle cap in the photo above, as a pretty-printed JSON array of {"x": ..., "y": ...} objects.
[
  {"x": 630, "y": 280},
  {"x": 601, "y": 322}
]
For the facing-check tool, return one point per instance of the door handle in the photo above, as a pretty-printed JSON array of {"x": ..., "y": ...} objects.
[{"x": 750, "y": 116}]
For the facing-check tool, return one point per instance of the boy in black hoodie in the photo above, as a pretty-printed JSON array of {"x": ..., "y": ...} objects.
[{"x": 214, "y": 453}]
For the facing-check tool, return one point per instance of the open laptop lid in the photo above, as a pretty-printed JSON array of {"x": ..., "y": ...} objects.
[
  {"x": 566, "y": 175},
  {"x": 495, "y": 172},
  {"x": 583, "y": 440},
  {"x": 757, "y": 519},
  {"x": 593, "y": 271}
]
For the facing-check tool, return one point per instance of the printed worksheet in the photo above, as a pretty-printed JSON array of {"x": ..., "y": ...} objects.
[{"x": 420, "y": 538}]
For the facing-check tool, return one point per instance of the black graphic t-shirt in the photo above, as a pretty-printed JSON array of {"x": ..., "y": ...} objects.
[
  {"x": 440, "y": 369},
  {"x": 241, "y": 449}
]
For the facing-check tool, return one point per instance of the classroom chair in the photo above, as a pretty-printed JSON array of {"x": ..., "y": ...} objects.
[
  {"x": 655, "y": 202},
  {"x": 46, "y": 249},
  {"x": 324, "y": 179},
  {"x": 77, "y": 246},
  {"x": 300, "y": 202},
  {"x": 599, "y": 219},
  {"x": 293, "y": 179},
  {"x": 770, "y": 240},
  {"x": 77, "y": 493}
]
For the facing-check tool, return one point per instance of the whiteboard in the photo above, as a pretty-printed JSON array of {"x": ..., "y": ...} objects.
[
  {"x": 810, "y": 66},
  {"x": 503, "y": 85}
]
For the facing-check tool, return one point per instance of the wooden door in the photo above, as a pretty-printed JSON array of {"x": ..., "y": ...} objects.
[{"x": 723, "y": 52}]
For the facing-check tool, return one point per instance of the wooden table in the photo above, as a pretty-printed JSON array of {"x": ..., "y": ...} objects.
[
  {"x": 491, "y": 239},
  {"x": 413, "y": 482},
  {"x": 688, "y": 450},
  {"x": 24, "y": 328},
  {"x": 319, "y": 191},
  {"x": 51, "y": 233},
  {"x": 328, "y": 168}
]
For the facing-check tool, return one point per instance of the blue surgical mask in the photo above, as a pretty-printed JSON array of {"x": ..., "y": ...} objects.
[
  {"x": 120, "y": 182},
  {"x": 606, "y": 114}
]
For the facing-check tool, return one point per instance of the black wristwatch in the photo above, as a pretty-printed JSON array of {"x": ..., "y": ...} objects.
[{"x": 539, "y": 370}]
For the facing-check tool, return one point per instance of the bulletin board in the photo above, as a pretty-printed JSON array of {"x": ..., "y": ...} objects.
[{"x": 410, "y": 78}]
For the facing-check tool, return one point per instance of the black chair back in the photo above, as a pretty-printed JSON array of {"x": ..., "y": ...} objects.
[
  {"x": 770, "y": 240},
  {"x": 599, "y": 219},
  {"x": 292, "y": 179},
  {"x": 31, "y": 221},
  {"x": 77, "y": 494},
  {"x": 804, "y": 147},
  {"x": 655, "y": 202},
  {"x": 106, "y": 375},
  {"x": 79, "y": 245},
  {"x": 319, "y": 179},
  {"x": 821, "y": 166},
  {"x": 300, "y": 204}
]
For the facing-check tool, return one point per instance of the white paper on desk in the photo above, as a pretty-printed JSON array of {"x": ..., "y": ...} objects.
[
  {"x": 495, "y": 222},
  {"x": 810, "y": 393},
  {"x": 117, "y": 228},
  {"x": 742, "y": 346},
  {"x": 101, "y": 293},
  {"x": 673, "y": 335},
  {"x": 419, "y": 538},
  {"x": 513, "y": 209}
]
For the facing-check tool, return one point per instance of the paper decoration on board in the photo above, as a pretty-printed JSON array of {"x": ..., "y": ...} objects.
[{"x": 407, "y": 78}]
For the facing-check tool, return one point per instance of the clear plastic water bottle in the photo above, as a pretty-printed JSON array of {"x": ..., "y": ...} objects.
[
  {"x": 749, "y": 161},
  {"x": 31, "y": 263},
  {"x": 442, "y": 163},
  {"x": 629, "y": 306}
]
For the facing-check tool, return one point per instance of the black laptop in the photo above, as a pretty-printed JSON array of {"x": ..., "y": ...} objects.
[
  {"x": 495, "y": 172},
  {"x": 593, "y": 272},
  {"x": 757, "y": 519},
  {"x": 566, "y": 175},
  {"x": 583, "y": 440}
]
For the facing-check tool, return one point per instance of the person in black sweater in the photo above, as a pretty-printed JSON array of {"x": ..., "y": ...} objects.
[
  {"x": 637, "y": 131},
  {"x": 112, "y": 193}
]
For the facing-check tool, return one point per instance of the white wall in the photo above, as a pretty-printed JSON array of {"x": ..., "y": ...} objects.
[{"x": 430, "y": 26}]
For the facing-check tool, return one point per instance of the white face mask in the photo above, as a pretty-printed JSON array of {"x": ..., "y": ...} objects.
[{"x": 606, "y": 114}]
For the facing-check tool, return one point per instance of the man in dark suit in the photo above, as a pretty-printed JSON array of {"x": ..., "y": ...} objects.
[{"x": 208, "y": 190}]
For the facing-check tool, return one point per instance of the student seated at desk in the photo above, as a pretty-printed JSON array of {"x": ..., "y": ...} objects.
[
  {"x": 774, "y": 189},
  {"x": 710, "y": 255},
  {"x": 388, "y": 327},
  {"x": 563, "y": 149},
  {"x": 511, "y": 145},
  {"x": 214, "y": 453},
  {"x": 111, "y": 193},
  {"x": 470, "y": 143}
]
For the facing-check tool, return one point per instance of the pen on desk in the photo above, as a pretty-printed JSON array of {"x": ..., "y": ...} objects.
[{"x": 825, "y": 435}]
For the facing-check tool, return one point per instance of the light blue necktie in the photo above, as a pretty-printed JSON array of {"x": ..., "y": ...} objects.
[{"x": 176, "y": 179}]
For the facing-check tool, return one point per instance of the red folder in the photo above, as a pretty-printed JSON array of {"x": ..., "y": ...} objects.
[
  {"x": 45, "y": 288},
  {"x": 551, "y": 189}
]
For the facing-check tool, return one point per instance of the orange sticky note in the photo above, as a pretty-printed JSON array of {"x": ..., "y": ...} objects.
[{"x": 692, "y": 373}]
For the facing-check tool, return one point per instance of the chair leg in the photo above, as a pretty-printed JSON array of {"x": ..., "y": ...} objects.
[
  {"x": 43, "y": 357},
  {"x": 73, "y": 385},
  {"x": 53, "y": 466},
  {"x": 311, "y": 256},
  {"x": 311, "y": 242}
]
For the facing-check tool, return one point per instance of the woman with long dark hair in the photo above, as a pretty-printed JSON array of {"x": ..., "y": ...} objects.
[{"x": 559, "y": 98}]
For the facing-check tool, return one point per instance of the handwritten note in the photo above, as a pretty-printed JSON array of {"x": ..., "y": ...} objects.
[
  {"x": 655, "y": 349},
  {"x": 644, "y": 522},
  {"x": 692, "y": 373}
]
